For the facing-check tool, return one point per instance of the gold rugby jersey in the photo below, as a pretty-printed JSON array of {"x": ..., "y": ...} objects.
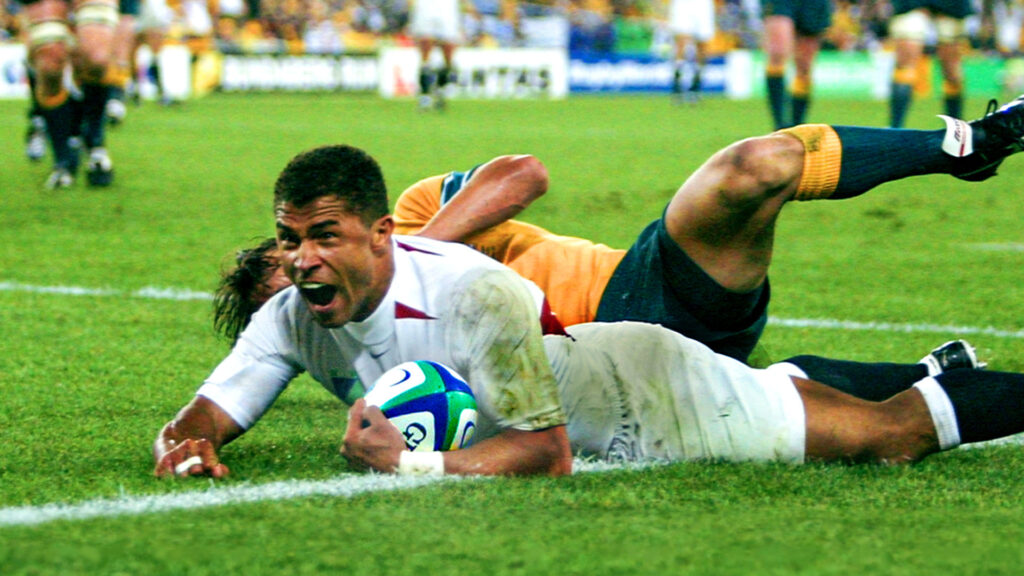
[{"x": 572, "y": 272}]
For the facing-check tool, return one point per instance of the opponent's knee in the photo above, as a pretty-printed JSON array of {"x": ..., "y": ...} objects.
[
  {"x": 822, "y": 160},
  {"x": 769, "y": 161}
]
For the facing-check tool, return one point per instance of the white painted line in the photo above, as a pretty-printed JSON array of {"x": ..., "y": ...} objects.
[
  {"x": 345, "y": 486},
  {"x": 156, "y": 293},
  {"x": 149, "y": 292},
  {"x": 998, "y": 247},
  {"x": 64, "y": 290},
  {"x": 893, "y": 327}
]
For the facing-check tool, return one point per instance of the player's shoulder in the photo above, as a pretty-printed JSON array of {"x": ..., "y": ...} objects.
[{"x": 440, "y": 253}]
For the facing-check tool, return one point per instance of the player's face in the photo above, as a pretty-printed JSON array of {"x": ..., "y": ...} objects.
[
  {"x": 276, "y": 279},
  {"x": 341, "y": 266}
]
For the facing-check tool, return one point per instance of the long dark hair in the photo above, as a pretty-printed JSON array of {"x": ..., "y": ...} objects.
[{"x": 237, "y": 296}]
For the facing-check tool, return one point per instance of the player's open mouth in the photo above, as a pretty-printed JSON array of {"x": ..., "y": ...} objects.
[{"x": 318, "y": 294}]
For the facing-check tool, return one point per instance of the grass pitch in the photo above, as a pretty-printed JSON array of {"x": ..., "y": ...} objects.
[{"x": 106, "y": 333}]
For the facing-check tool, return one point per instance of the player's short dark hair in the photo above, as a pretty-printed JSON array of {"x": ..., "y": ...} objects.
[
  {"x": 346, "y": 172},
  {"x": 235, "y": 300}
]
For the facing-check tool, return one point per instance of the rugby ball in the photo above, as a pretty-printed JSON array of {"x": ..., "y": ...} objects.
[{"x": 430, "y": 404}]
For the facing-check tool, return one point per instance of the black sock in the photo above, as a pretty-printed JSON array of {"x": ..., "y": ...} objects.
[
  {"x": 94, "y": 104},
  {"x": 33, "y": 110},
  {"x": 875, "y": 381},
  {"x": 154, "y": 77},
  {"x": 873, "y": 156},
  {"x": 426, "y": 80},
  {"x": 988, "y": 404},
  {"x": 899, "y": 103},
  {"x": 954, "y": 106},
  {"x": 777, "y": 100},
  {"x": 58, "y": 126},
  {"x": 800, "y": 105},
  {"x": 444, "y": 76}
]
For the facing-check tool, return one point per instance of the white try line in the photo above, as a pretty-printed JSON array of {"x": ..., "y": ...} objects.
[
  {"x": 894, "y": 327},
  {"x": 998, "y": 247},
  {"x": 347, "y": 486},
  {"x": 344, "y": 486},
  {"x": 155, "y": 293},
  {"x": 149, "y": 292}
]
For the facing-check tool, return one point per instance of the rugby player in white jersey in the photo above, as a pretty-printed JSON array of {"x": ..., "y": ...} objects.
[
  {"x": 692, "y": 24},
  {"x": 364, "y": 300}
]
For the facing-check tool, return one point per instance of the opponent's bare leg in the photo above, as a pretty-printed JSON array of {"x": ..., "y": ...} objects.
[{"x": 724, "y": 214}]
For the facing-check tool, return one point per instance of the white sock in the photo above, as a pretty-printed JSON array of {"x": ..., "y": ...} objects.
[
  {"x": 959, "y": 138},
  {"x": 943, "y": 414}
]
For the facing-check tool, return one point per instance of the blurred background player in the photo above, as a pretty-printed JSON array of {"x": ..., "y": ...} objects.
[
  {"x": 120, "y": 70},
  {"x": 792, "y": 29},
  {"x": 155, "y": 19},
  {"x": 435, "y": 23},
  {"x": 692, "y": 24},
  {"x": 910, "y": 27},
  {"x": 53, "y": 47},
  {"x": 35, "y": 135},
  {"x": 150, "y": 29}
]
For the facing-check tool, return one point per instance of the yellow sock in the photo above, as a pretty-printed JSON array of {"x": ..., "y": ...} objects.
[{"x": 823, "y": 153}]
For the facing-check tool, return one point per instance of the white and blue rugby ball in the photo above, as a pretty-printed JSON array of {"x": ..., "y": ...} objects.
[{"x": 430, "y": 404}]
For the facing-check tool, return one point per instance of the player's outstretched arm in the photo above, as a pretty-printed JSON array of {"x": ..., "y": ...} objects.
[
  {"x": 497, "y": 191},
  {"x": 515, "y": 452},
  {"x": 371, "y": 442},
  {"x": 188, "y": 445}
]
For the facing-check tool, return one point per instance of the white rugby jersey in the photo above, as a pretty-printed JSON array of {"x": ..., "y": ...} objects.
[
  {"x": 446, "y": 303},
  {"x": 634, "y": 391}
]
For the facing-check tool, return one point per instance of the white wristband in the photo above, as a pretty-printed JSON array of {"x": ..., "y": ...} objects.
[
  {"x": 184, "y": 465},
  {"x": 421, "y": 463}
]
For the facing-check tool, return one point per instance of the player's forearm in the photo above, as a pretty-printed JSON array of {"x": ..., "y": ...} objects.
[
  {"x": 498, "y": 191},
  {"x": 515, "y": 453}
]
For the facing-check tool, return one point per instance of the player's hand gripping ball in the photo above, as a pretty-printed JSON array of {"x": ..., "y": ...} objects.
[{"x": 430, "y": 404}]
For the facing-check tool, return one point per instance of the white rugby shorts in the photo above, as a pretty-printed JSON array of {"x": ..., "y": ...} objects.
[
  {"x": 435, "y": 19},
  {"x": 694, "y": 18},
  {"x": 672, "y": 398}
]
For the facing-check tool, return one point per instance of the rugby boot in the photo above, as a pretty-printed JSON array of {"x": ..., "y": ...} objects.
[
  {"x": 59, "y": 178},
  {"x": 986, "y": 141},
  {"x": 100, "y": 170},
  {"x": 951, "y": 356}
]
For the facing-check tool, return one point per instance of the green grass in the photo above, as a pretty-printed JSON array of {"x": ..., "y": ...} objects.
[{"x": 86, "y": 381}]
